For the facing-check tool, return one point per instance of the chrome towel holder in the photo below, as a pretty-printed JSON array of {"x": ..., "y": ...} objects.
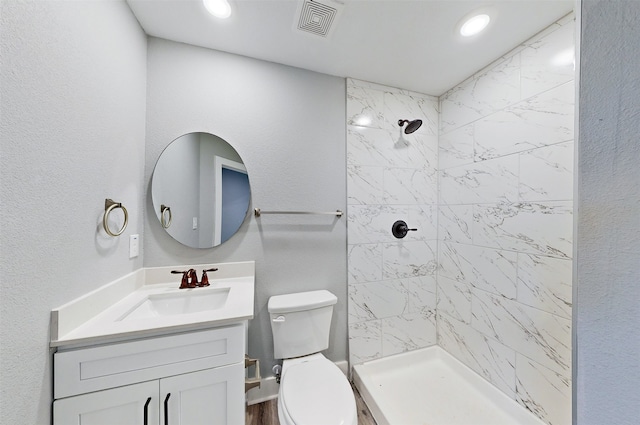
[
  {"x": 110, "y": 205},
  {"x": 164, "y": 222},
  {"x": 258, "y": 212}
]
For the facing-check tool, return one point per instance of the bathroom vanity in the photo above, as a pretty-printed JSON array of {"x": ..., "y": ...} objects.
[{"x": 140, "y": 350}]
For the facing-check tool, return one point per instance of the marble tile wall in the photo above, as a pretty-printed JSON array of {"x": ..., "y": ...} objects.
[
  {"x": 391, "y": 176},
  {"x": 505, "y": 222}
]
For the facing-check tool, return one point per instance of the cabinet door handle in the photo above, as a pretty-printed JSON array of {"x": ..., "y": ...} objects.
[
  {"x": 166, "y": 409},
  {"x": 146, "y": 411}
]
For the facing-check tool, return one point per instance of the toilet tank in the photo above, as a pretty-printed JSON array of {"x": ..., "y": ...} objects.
[{"x": 300, "y": 322}]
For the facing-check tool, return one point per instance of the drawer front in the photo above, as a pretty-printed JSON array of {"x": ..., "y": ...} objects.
[{"x": 108, "y": 366}]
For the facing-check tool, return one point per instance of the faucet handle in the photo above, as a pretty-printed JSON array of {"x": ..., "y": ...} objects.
[
  {"x": 205, "y": 279},
  {"x": 185, "y": 278}
]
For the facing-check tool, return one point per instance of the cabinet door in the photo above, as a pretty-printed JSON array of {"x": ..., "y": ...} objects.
[
  {"x": 207, "y": 397},
  {"x": 129, "y": 405}
]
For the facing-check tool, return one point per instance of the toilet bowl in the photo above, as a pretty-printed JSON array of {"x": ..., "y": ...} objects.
[{"x": 313, "y": 390}]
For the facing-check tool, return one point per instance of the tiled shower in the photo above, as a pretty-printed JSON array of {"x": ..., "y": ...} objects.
[{"x": 488, "y": 182}]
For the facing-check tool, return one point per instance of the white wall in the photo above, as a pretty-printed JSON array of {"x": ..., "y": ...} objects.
[
  {"x": 72, "y": 133},
  {"x": 288, "y": 126},
  {"x": 607, "y": 314},
  {"x": 391, "y": 176},
  {"x": 505, "y": 222}
]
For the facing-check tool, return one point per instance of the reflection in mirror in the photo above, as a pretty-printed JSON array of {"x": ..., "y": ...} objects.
[{"x": 201, "y": 183}]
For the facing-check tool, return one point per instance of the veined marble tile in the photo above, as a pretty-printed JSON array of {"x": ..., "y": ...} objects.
[
  {"x": 456, "y": 148},
  {"x": 455, "y": 223},
  {"x": 365, "y": 341},
  {"x": 422, "y": 293},
  {"x": 546, "y": 174},
  {"x": 365, "y": 263},
  {"x": 352, "y": 82},
  {"x": 366, "y": 146},
  {"x": 454, "y": 299},
  {"x": 482, "y": 95},
  {"x": 535, "y": 228},
  {"x": 408, "y": 107},
  {"x": 408, "y": 258},
  {"x": 425, "y": 219},
  {"x": 422, "y": 151},
  {"x": 568, "y": 19},
  {"x": 372, "y": 223},
  {"x": 545, "y": 283},
  {"x": 408, "y": 332},
  {"x": 544, "y": 392},
  {"x": 364, "y": 185},
  {"x": 488, "y": 269},
  {"x": 483, "y": 182},
  {"x": 376, "y": 147},
  {"x": 548, "y": 62},
  {"x": 546, "y": 338},
  {"x": 377, "y": 300},
  {"x": 538, "y": 121},
  {"x": 410, "y": 186},
  {"x": 487, "y": 357},
  {"x": 364, "y": 106}
]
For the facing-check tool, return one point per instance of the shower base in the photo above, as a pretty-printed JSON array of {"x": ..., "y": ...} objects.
[{"x": 431, "y": 387}]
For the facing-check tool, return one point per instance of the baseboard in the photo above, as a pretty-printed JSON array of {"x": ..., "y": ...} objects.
[
  {"x": 269, "y": 388},
  {"x": 344, "y": 367}
]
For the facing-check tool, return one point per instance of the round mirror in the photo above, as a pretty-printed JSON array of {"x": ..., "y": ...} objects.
[{"x": 200, "y": 190}]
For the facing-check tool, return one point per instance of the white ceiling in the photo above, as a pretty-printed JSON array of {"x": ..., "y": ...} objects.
[{"x": 410, "y": 44}]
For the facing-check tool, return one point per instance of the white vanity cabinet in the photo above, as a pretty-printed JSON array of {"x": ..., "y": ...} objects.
[
  {"x": 192, "y": 378},
  {"x": 131, "y": 404}
]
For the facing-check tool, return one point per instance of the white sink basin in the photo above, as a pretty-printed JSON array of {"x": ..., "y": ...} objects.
[
  {"x": 198, "y": 300},
  {"x": 148, "y": 303}
]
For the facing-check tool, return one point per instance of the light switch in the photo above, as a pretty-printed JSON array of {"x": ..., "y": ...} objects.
[
  {"x": 134, "y": 246},
  {"x": 195, "y": 223}
]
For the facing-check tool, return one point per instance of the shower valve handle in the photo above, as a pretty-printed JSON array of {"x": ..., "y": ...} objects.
[{"x": 400, "y": 229}]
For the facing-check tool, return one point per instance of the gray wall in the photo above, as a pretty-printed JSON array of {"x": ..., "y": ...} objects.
[
  {"x": 288, "y": 126},
  {"x": 72, "y": 131},
  {"x": 607, "y": 318}
]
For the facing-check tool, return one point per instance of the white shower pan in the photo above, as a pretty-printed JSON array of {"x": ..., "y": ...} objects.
[{"x": 430, "y": 387}]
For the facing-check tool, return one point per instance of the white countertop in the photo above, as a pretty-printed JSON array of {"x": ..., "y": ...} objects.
[{"x": 97, "y": 317}]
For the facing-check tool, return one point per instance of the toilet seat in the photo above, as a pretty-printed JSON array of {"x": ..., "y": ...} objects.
[{"x": 317, "y": 392}]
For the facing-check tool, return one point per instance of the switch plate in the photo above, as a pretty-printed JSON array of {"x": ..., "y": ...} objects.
[
  {"x": 195, "y": 223},
  {"x": 134, "y": 246}
]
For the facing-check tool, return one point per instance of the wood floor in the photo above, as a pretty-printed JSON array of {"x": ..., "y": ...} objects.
[{"x": 267, "y": 413}]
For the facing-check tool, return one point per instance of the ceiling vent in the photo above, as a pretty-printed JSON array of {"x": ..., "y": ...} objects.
[{"x": 317, "y": 19}]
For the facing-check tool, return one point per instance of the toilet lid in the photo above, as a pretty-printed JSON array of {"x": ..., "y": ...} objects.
[{"x": 317, "y": 392}]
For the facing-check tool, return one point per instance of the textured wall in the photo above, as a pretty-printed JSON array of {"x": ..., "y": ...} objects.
[
  {"x": 72, "y": 134},
  {"x": 391, "y": 176},
  {"x": 288, "y": 126},
  {"x": 607, "y": 317},
  {"x": 505, "y": 222}
]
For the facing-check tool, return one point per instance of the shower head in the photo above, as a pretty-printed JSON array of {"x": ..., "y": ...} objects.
[{"x": 411, "y": 125}]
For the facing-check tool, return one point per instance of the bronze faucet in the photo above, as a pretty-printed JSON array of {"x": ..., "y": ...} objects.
[{"x": 190, "y": 278}]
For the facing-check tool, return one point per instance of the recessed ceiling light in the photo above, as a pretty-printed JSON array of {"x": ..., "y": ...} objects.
[
  {"x": 474, "y": 25},
  {"x": 218, "y": 8}
]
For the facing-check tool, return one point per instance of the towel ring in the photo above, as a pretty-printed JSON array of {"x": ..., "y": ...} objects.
[
  {"x": 163, "y": 210},
  {"x": 110, "y": 205}
]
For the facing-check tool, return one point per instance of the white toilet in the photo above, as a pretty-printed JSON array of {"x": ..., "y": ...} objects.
[{"x": 313, "y": 390}]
